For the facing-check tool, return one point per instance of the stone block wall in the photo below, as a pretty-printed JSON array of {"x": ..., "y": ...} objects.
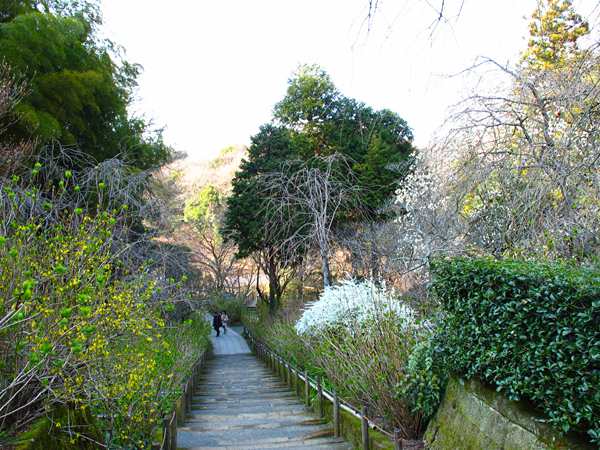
[{"x": 473, "y": 416}]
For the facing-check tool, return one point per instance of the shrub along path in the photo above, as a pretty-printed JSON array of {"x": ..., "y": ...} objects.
[{"x": 241, "y": 405}]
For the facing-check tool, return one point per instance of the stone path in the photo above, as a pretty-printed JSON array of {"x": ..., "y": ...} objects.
[
  {"x": 230, "y": 343},
  {"x": 241, "y": 405}
]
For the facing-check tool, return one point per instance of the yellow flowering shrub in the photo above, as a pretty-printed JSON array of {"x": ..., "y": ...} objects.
[{"x": 79, "y": 328}]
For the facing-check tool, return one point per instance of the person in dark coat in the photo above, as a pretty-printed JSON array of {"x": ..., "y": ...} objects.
[{"x": 217, "y": 323}]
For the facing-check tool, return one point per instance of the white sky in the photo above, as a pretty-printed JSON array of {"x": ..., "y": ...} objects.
[{"x": 213, "y": 70}]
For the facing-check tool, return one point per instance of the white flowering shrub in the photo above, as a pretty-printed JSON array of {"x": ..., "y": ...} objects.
[{"x": 352, "y": 304}]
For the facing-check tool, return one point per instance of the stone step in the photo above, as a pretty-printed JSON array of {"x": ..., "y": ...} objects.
[
  {"x": 243, "y": 408},
  {"x": 238, "y": 435},
  {"x": 240, "y": 404},
  {"x": 306, "y": 442},
  {"x": 212, "y": 417},
  {"x": 289, "y": 444}
]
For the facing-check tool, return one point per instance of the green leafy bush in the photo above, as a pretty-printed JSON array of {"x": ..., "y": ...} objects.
[
  {"x": 235, "y": 306},
  {"x": 425, "y": 377},
  {"x": 533, "y": 330}
]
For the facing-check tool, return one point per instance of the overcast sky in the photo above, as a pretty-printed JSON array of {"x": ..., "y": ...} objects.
[{"x": 213, "y": 70}]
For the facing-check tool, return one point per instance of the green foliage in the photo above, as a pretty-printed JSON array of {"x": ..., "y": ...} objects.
[
  {"x": 554, "y": 32},
  {"x": 80, "y": 94},
  {"x": 78, "y": 326},
  {"x": 222, "y": 159},
  {"x": 530, "y": 329},
  {"x": 425, "y": 378},
  {"x": 227, "y": 149},
  {"x": 204, "y": 210}
]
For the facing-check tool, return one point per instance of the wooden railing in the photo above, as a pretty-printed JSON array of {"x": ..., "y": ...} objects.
[
  {"x": 169, "y": 422},
  {"x": 284, "y": 370}
]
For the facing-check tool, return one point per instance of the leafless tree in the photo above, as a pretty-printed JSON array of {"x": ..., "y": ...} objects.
[
  {"x": 12, "y": 90},
  {"x": 526, "y": 162},
  {"x": 426, "y": 225},
  {"x": 310, "y": 195}
]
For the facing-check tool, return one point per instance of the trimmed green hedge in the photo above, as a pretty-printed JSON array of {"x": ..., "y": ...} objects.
[{"x": 533, "y": 330}]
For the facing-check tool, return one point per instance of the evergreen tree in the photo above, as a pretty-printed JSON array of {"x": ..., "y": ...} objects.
[
  {"x": 323, "y": 122},
  {"x": 245, "y": 215},
  {"x": 79, "y": 93},
  {"x": 554, "y": 32}
]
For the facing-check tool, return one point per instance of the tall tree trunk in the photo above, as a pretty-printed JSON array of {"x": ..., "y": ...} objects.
[
  {"x": 326, "y": 272},
  {"x": 374, "y": 257},
  {"x": 272, "y": 285}
]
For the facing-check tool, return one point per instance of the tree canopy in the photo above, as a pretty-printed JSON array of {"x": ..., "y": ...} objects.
[
  {"x": 244, "y": 218},
  {"x": 80, "y": 93},
  {"x": 554, "y": 31},
  {"x": 315, "y": 131},
  {"x": 323, "y": 122}
]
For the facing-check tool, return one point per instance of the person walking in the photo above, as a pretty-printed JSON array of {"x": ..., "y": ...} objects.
[
  {"x": 217, "y": 323},
  {"x": 224, "y": 320}
]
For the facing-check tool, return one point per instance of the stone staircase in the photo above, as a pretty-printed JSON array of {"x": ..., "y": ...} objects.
[{"x": 240, "y": 404}]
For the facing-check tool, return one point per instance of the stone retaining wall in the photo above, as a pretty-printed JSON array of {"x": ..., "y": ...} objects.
[{"x": 473, "y": 416}]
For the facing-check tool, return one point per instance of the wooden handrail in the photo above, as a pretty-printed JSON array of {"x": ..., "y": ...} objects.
[
  {"x": 169, "y": 423},
  {"x": 267, "y": 355}
]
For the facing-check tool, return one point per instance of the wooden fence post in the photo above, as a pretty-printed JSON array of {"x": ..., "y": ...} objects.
[
  {"x": 166, "y": 434},
  {"x": 183, "y": 406},
  {"x": 397, "y": 440},
  {"x": 336, "y": 414},
  {"x": 319, "y": 397},
  {"x": 364, "y": 427},
  {"x": 290, "y": 381},
  {"x": 174, "y": 428},
  {"x": 297, "y": 382},
  {"x": 307, "y": 387},
  {"x": 190, "y": 395}
]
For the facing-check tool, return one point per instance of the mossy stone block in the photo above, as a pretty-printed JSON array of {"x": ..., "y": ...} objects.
[
  {"x": 473, "y": 416},
  {"x": 82, "y": 432}
]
